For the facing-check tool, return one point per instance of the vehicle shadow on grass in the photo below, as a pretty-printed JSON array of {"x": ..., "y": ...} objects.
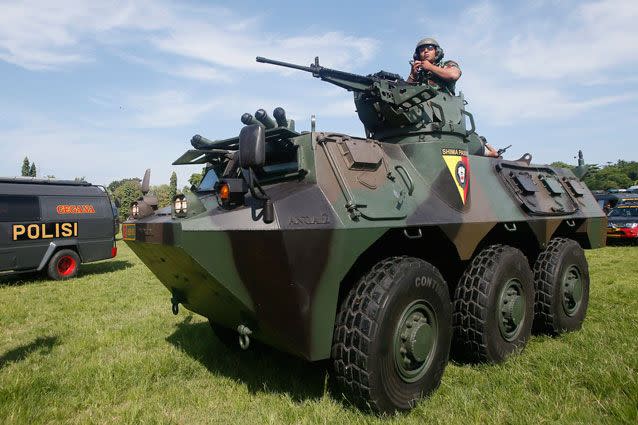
[
  {"x": 261, "y": 368},
  {"x": 101, "y": 267},
  {"x": 42, "y": 344},
  {"x": 104, "y": 267}
]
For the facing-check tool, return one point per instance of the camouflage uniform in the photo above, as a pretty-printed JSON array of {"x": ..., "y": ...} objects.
[{"x": 441, "y": 84}]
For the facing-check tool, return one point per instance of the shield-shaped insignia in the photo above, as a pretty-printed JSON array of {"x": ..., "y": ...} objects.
[{"x": 459, "y": 167}]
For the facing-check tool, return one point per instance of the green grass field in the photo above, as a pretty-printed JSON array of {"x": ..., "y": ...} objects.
[{"x": 105, "y": 348}]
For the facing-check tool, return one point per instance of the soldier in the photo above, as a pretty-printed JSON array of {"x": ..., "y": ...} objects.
[
  {"x": 428, "y": 66},
  {"x": 488, "y": 150}
]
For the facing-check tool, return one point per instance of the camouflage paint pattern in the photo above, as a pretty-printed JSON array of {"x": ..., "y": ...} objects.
[{"x": 414, "y": 185}]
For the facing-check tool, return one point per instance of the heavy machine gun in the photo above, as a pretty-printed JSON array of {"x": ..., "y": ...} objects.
[{"x": 391, "y": 108}]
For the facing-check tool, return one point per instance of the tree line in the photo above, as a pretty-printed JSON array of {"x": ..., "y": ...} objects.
[
  {"x": 126, "y": 191},
  {"x": 620, "y": 175}
]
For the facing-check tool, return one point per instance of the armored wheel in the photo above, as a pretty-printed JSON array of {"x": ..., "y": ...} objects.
[
  {"x": 493, "y": 306},
  {"x": 392, "y": 335},
  {"x": 561, "y": 276},
  {"x": 63, "y": 264}
]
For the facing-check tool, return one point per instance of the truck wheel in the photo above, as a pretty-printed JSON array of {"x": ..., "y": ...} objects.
[
  {"x": 493, "y": 306},
  {"x": 392, "y": 335},
  {"x": 63, "y": 264},
  {"x": 561, "y": 276}
]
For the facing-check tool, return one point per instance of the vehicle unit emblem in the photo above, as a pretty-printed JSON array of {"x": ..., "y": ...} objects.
[
  {"x": 128, "y": 232},
  {"x": 459, "y": 166}
]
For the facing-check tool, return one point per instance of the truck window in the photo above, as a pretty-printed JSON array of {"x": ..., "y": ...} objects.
[
  {"x": 624, "y": 212},
  {"x": 19, "y": 208}
]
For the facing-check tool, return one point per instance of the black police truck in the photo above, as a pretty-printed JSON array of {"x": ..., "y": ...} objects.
[{"x": 53, "y": 226}]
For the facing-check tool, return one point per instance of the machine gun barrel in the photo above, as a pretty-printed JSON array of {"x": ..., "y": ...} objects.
[
  {"x": 347, "y": 80},
  {"x": 284, "y": 64}
]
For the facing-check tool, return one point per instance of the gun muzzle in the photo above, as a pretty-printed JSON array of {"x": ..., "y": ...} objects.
[
  {"x": 280, "y": 116},
  {"x": 262, "y": 117},
  {"x": 248, "y": 119},
  {"x": 200, "y": 142}
]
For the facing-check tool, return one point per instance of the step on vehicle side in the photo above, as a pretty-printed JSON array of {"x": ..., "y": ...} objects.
[
  {"x": 382, "y": 252},
  {"x": 53, "y": 226}
]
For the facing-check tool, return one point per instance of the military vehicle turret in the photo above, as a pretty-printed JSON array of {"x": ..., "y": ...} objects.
[{"x": 385, "y": 253}]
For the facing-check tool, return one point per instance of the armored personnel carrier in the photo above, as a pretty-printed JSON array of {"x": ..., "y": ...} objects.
[{"x": 386, "y": 253}]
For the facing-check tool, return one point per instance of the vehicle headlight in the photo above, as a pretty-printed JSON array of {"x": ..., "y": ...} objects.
[
  {"x": 180, "y": 204},
  {"x": 135, "y": 210}
]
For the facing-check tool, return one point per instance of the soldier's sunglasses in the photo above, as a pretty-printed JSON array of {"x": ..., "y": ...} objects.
[{"x": 428, "y": 47}]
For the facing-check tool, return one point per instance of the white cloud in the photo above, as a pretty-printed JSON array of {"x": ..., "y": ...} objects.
[
  {"x": 533, "y": 61},
  {"x": 601, "y": 37},
  {"x": 201, "y": 72},
  {"x": 161, "y": 109},
  {"x": 101, "y": 155},
  {"x": 509, "y": 104},
  {"x": 41, "y": 35}
]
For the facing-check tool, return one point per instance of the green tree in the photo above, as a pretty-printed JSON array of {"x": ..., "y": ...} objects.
[
  {"x": 80, "y": 179},
  {"x": 561, "y": 164},
  {"x": 127, "y": 193},
  {"x": 173, "y": 185},
  {"x": 620, "y": 175},
  {"x": 163, "y": 194},
  {"x": 25, "y": 167},
  {"x": 117, "y": 183},
  {"x": 33, "y": 172},
  {"x": 196, "y": 178}
]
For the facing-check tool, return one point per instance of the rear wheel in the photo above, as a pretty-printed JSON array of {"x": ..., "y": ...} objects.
[
  {"x": 493, "y": 306},
  {"x": 561, "y": 275},
  {"x": 63, "y": 264},
  {"x": 392, "y": 335}
]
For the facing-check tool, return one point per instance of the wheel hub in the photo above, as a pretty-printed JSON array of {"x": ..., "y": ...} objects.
[
  {"x": 66, "y": 265},
  {"x": 415, "y": 339},
  {"x": 572, "y": 290},
  {"x": 511, "y": 309}
]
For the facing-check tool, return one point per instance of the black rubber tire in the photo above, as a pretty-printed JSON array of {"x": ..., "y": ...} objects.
[
  {"x": 477, "y": 336},
  {"x": 362, "y": 350},
  {"x": 53, "y": 270},
  {"x": 550, "y": 267}
]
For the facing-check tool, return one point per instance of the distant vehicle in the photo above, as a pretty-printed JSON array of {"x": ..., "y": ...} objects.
[
  {"x": 608, "y": 200},
  {"x": 53, "y": 226},
  {"x": 623, "y": 222}
]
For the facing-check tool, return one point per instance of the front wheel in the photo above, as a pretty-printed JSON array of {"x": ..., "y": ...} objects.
[
  {"x": 392, "y": 335},
  {"x": 63, "y": 265}
]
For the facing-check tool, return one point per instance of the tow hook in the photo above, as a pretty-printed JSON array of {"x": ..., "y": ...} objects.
[{"x": 244, "y": 336}]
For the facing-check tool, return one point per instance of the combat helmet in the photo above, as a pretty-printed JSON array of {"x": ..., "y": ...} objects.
[{"x": 433, "y": 42}]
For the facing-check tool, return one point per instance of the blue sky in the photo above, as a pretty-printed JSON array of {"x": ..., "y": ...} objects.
[{"x": 106, "y": 89}]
